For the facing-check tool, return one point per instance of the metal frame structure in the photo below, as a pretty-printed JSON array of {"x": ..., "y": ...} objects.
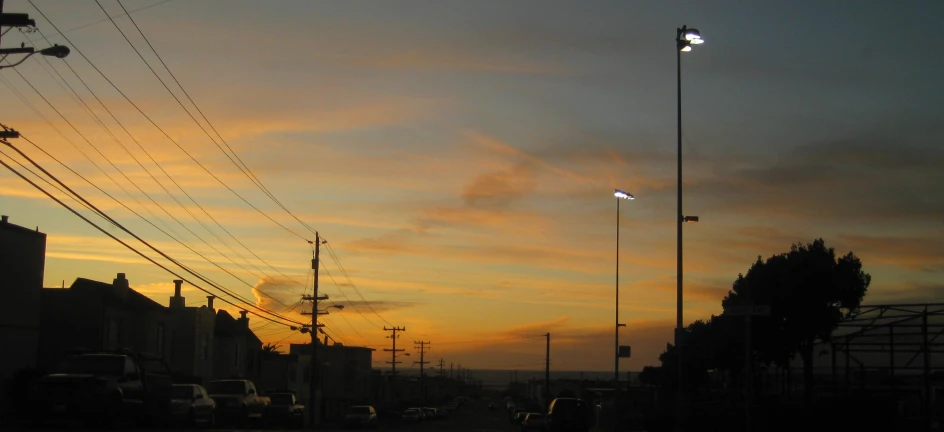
[{"x": 903, "y": 339}]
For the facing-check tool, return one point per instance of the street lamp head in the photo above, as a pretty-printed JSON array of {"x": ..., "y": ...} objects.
[
  {"x": 692, "y": 35},
  {"x": 57, "y": 51},
  {"x": 338, "y": 306},
  {"x": 686, "y": 37},
  {"x": 623, "y": 195}
]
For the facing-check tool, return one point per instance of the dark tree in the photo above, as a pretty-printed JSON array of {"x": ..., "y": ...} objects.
[{"x": 809, "y": 291}]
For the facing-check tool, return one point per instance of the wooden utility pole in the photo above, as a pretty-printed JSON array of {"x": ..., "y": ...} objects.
[
  {"x": 547, "y": 371},
  {"x": 314, "y": 408},
  {"x": 422, "y": 346}
]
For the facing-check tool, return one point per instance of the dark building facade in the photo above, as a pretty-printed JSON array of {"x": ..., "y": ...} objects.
[
  {"x": 192, "y": 339},
  {"x": 22, "y": 264},
  {"x": 100, "y": 316},
  {"x": 237, "y": 349}
]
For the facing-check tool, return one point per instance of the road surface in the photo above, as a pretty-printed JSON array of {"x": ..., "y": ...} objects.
[{"x": 473, "y": 416}]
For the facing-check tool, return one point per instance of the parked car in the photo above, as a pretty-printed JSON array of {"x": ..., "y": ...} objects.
[
  {"x": 513, "y": 414},
  {"x": 363, "y": 415},
  {"x": 237, "y": 401},
  {"x": 412, "y": 414},
  {"x": 105, "y": 387},
  {"x": 430, "y": 413},
  {"x": 519, "y": 417},
  {"x": 192, "y": 405},
  {"x": 533, "y": 422},
  {"x": 569, "y": 415},
  {"x": 284, "y": 409}
]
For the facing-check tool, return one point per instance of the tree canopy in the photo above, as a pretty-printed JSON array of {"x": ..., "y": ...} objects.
[{"x": 809, "y": 291}]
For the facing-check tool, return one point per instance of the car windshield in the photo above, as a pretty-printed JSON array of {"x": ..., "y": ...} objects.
[
  {"x": 227, "y": 387},
  {"x": 106, "y": 365},
  {"x": 281, "y": 399},
  {"x": 360, "y": 410},
  {"x": 182, "y": 392}
]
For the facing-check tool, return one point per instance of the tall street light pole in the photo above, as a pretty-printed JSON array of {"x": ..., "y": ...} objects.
[
  {"x": 620, "y": 196},
  {"x": 684, "y": 39}
]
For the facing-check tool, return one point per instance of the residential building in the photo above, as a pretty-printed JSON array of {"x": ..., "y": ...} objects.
[
  {"x": 237, "y": 350},
  {"x": 22, "y": 262},
  {"x": 346, "y": 375},
  {"x": 192, "y": 339},
  {"x": 100, "y": 316}
]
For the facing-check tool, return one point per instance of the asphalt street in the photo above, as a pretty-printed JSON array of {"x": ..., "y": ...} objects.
[{"x": 473, "y": 416}]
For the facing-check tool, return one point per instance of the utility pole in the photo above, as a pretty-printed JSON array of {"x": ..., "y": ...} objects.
[
  {"x": 547, "y": 371},
  {"x": 441, "y": 363},
  {"x": 422, "y": 346},
  {"x": 451, "y": 373},
  {"x": 393, "y": 352},
  {"x": 314, "y": 409}
]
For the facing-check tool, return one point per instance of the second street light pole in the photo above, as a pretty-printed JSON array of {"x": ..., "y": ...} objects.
[{"x": 620, "y": 195}]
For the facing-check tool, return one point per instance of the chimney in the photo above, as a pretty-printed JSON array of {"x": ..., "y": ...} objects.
[
  {"x": 178, "y": 302},
  {"x": 5, "y": 218},
  {"x": 210, "y": 301},
  {"x": 243, "y": 319},
  {"x": 121, "y": 285}
]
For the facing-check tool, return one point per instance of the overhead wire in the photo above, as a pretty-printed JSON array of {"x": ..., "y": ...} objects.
[
  {"x": 167, "y": 135},
  {"x": 22, "y": 98},
  {"x": 238, "y": 162},
  {"x": 171, "y": 178},
  {"x": 126, "y": 230},
  {"x": 123, "y": 243},
  {"x": 101, "y": 123}
]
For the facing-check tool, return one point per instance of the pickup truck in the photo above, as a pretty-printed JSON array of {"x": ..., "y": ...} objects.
[
  {"x": 238, "y": 401},
  {"x": 285, "y": 410},
  {"x": 105, "y": 387}
]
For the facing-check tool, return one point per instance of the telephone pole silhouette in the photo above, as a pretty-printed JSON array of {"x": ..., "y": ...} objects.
[
  {"x": 422, "y": 346},
  {"x": 547, "y": 371},
  {"x": 441, "y": 363},
  {"x": 393, "y": 352},
  {"x": 314, "y": 408}
]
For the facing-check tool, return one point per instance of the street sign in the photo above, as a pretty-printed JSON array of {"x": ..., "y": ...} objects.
[
  {"x": 624, "y": 351},
  {"x": 756, "y": 310}
]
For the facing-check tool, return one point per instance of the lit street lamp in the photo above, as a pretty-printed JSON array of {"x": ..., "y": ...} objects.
[
  {"x": 684, "y": 39},
  {"x": 57, "y": 51},
  {"x": 620, "y": 196}
]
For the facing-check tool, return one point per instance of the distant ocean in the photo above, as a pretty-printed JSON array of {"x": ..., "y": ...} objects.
[{"x": 495, "y": 377}]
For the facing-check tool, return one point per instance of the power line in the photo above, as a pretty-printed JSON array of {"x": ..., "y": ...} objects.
[
  {"x": 348, "y": 300},
  {"x": 240, "y": 164},
  {"x": 172, "y": 140},
  {"x": 101, "y": 123},
  {"x": 123, "y": 243},
  {"x": 126, "y": 230}
]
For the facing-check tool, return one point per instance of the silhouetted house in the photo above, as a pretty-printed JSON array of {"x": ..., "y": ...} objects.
[
  {"x": 22, "y": 262},
  {"x": 346, "y": 376},
  {"x": 277, "y": 371},
  {"x": 236, "y": 348},
  {"x": 100, "y": 316},
  {"x": 192, "y": 339}
]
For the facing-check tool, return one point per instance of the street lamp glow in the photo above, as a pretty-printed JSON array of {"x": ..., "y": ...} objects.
[
  {"x": 623, "y": 195},
  {"x": 692, "y": 35},
  {"x": 686, "y": 48}
]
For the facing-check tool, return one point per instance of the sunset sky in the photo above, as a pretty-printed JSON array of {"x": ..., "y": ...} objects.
[{"x": 460, "y": 158}]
